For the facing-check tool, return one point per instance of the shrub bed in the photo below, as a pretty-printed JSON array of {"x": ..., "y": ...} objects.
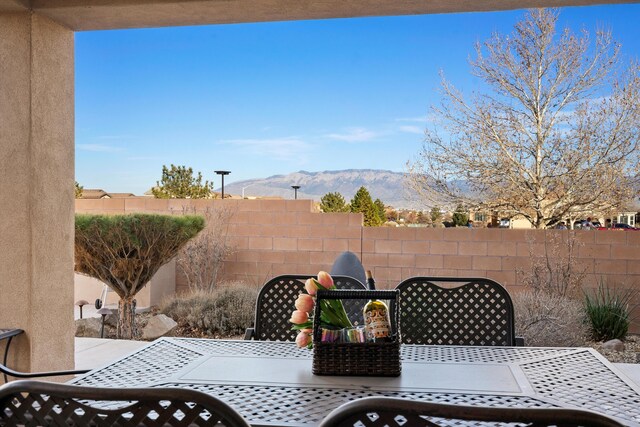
[{"x": 223, "y": 312}]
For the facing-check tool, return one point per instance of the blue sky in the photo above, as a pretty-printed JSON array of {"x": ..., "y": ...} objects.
[{"x": 274, "y": 98}]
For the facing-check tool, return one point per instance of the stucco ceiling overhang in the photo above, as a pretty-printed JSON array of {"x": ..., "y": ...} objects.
[{"x": 81, "y": 15}]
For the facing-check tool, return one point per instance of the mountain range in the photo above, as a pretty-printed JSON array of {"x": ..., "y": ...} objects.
[{"x": 385, "y": 185}]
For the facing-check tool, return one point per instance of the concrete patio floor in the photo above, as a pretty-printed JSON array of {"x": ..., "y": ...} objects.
[{"x": 96, "y": 352}]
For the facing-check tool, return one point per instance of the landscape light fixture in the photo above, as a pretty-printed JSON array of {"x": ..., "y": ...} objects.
[
  {"x": 81, "y": 304},
  {"x": 223, "y": 173},
  {"x": 104, "y": 312},
  {"x": 295, "y": 188}
]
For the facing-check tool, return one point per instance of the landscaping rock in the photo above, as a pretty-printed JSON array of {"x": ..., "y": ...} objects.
[
  {"x": 111, "y": 319},
  {"x": 88, "y": 327},
  {"x": 158, "y": 326},
  {"x": 615, "y": 345}
]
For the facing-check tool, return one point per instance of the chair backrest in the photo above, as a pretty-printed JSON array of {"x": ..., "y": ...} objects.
[
  {"x": 393, "y": 412},
  {"x": 276, "y": 303},
  {"x": 42, "y": 403},
  {"x": 479, "y": 312}
]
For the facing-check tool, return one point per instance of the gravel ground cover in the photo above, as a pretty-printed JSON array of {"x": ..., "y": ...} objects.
[{"x": 631, "y": 353}]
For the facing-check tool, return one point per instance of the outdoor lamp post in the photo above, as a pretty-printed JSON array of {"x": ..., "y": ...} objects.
[
  {"x": 247, "y": 186},
  {"x": 223, "y": 173},
  {"x": 295, "y": 189}
]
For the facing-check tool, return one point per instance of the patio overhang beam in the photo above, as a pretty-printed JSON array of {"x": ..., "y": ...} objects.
[{"x": 82, "y": 15}]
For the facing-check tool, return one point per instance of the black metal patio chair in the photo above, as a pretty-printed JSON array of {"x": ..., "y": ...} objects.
[
  {"x": 276, "y": 303},
  {"x": 8, "y": 334},
  {"x": 35, "y": 403},
  {"x": 17, "y": 374},
  {"x": 394, "y": 412},
  {"x": 475, "y": 312}
]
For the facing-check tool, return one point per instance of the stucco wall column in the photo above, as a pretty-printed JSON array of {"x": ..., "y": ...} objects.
[{"x": 36, "y": 189}]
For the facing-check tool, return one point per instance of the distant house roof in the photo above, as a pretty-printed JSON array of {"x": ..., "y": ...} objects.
[
  {"x": 94, "y": 194},
  {"x": 121, "y": 195},
  {"x": 101, "y": 194}
]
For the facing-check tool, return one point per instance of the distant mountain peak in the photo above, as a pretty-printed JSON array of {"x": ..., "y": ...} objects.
[{"x": 385, "y": 185}]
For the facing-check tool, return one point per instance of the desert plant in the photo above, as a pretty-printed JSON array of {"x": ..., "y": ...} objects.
[
  {"x": 555, "y": 271},
  {"x": 125, "y": 251},
  {"x": 225, "y": 311},
  {"x": 202, "y": 259},
  {"x": 546, "y": 320},
  {"x": 608, "y": 311},
  {"x": 549, "y": 311}
]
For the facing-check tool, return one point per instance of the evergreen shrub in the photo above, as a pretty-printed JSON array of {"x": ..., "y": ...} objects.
[{"x": 608, "y": 311}]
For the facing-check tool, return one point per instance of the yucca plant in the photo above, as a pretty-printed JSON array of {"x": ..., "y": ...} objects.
[{"x": 608, "y": 311}]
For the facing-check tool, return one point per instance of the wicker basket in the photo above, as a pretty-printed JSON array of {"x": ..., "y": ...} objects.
[{"x": 361, "y": 359}]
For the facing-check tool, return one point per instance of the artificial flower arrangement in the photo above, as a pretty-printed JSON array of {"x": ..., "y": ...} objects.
[{"x": 333, "y": 316}]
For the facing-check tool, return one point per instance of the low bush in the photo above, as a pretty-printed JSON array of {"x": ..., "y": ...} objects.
[
  {"x": 608, "y": 311},
  {"x": 548, "y": 320},
  {"x": 225, "y": 311}
]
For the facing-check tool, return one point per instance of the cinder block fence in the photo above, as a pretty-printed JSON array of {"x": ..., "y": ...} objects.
[{"x": 273, "y": 237}]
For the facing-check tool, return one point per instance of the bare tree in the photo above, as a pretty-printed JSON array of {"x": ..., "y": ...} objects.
[
  {"x": 203, "y": 257},
  {"x": 554, "y": 136}
]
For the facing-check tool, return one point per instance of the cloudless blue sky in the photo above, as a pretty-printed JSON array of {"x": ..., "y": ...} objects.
[{"x": 274, "y": 98}]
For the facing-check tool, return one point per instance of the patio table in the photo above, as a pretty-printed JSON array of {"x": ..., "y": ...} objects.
[{"x": 270, "y": 383}]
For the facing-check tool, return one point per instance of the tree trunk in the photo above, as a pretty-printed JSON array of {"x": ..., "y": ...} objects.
[{"x": 127, "y": 328}]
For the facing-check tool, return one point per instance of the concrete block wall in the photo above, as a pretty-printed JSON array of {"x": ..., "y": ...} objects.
[
  {"x": 395, "y": 254},
  {"x": 274, "y": 237}
]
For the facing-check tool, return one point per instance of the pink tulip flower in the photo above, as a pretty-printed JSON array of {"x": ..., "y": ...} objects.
[
  {"x": 299, "y": 317},
  {"x": 304, "y": 303},
  {"x": 325, "y": 280},
  {"x": 310, "y": 286},
  {"x": 303, "y": 339}
]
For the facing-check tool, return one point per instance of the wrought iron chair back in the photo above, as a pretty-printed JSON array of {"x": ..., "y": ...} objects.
[
  {"x": 276, "y": 303},
  {"x": 479, "y": 312},
  {"x": 8, "y": 335},
  {"x": 35, "y": 403},
  {"x": 393, "y": 412}
]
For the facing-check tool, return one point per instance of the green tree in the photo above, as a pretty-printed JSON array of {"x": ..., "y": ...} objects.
[
  {"x": 362, "y": 202},
  {"x": 380, "y": 209},
  {"x": 460, "y": 217},
  {"x": 78, "y": 188},
  {"x": 436, "y": 215},
  {"x": 125, "y": 251},
  {"x": 333, "y": 202},
  {"x": 178, "y": 182}
]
